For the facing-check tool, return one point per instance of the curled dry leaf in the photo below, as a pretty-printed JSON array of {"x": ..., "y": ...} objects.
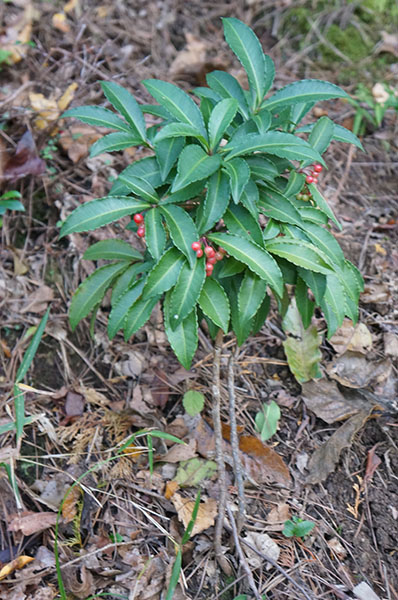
[
  {"x": 336, "y": 548},
  {"x": 376, "y": 293},
  {"x": 277, "y": 516},
  {"x": 37, "y": 302},
  {"x": 391, "y": 344},
  {"x": 191, "y": 58},
  {"x": 29, "y": 522},
  {"x": 389, "y": 43},
  {"x": 77, "y": 139},
  {"x": 24, "y": 161},
  {"x": 59, "y": 22},
  {"x": 69, "y": 507},
  {"x": 324, "y": 460},
  {"x": 179, "y": 452},
  {"x": 83, "y": 588},
  {"x": 348, "y": 337},
  {"x": 353, "y": 370},
  {"x": 49, "y": 109},
  {"x": 206, "y": 513},
  {"x": 17, "y": 563}
]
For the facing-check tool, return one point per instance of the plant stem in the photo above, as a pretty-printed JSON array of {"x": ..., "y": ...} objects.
[
  {"x": 235, "y": 444},
  {"x": 219, "y": 455}
]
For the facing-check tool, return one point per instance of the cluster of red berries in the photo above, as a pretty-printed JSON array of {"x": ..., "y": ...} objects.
[
  {"x": 139, "y": 220},
  {"x": 212, "y": 256},
  {"x": 312, "y": 177}
]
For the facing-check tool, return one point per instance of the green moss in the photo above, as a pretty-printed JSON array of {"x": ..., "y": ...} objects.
[{"x": 349, "y": 41}]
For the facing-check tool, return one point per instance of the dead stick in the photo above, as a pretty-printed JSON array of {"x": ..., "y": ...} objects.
[
  {"x": 242, "y": 557},
  {"x": 219, "y": 455},
  {"x": 235, "y": 445}
]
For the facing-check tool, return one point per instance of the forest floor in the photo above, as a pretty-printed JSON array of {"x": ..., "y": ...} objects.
[{"x": 115, "y": 534}]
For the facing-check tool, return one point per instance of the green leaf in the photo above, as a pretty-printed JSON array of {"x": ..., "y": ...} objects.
[
  {"x": 98, "y": 116},
  {"x": 277, "y": 206},
  {"x": 304, "y": 304},
  {"x": 155, "y": 235},
  {"x": 352, "y": 280},
  {"x": 96, "y": 213},
  {"x": 184, "y": 338},
  {"x": 284, "y": 145},
  {"x": 297, "y": 527},
  {"x": 312, "y": 214},
  {"x": 340, "y": 134},
  {"x": 322, "y": 204},
  {"x": 257, "y": 259},
  {"x": 182, "y": 230},
  {"x": 267, "y": 420},
  {"x": 250, "y": 197},
  {"x": 138, "y": 315},
  {"x": 191, "y": 191},
  {"x": 164, "y": 274},
  {"x": 229, "y": 267},
  {"x": 240, "y": 326},
  {"x": 322, "y": 134},
  {"x": 326, "y": 242},
  {"x": 214, "y": 303},
  {"x": 177, "y": 102},
  {"x": 262, "y": 120},
  {"x": 112, "y": 250},
  {"x": 246, "y": 46},
  {"x": 315, "y": 281},
  {"x": 262, "y": 168},
  {"x": 193, "y": 402},
  {"x": 301, "y": 253},
  {"x": 120, "y": 309},
  {"x": 127, "y": 280},
  {"x": 239, "y": 221},
  {"x": 295, "y": 184},
  {"x": 261, "y": 315},
  {"x": 10, "y": 205},
  {"x": 167, "y": 152},
  {"x": 127, "y": 106},
  {"x": 91, "y": 291},
  {"x": 251, "y": 294},
  {"x": 272, "y": 230},
  {"x": 306, "y": 90},
  {"x": 220, "y": 118},
  {"x": 269, "y": 72},
  {"x": 239, "y": 175},
  {"x": 147, "y": 169},
  {"x": 113, "y": 142},
  {"x": 299, "y": 111},
  {"x": 301, "y": 346},
  {"x": 140, "y": 187},
  {"x": 192, "y": 472},
  {"x": 177, "y": 130},
  {"x": 32, "y": 349},
  {"x": 186, "y": 291},
  {"x": 228, "y": 87},
  {"x": 211, "y": 210},
  {"x": 335, "y": 297},
  {"x": 194, "y": 164}
]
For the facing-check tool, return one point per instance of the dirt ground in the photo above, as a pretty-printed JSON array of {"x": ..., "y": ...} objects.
[{"x": 115, "y": 535}]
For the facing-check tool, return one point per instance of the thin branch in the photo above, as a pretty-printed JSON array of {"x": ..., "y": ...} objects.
[
  {"x": 235, "y": 445},
  {"x": 242, "y": 557},
  {"x": 219, "y": 455}
]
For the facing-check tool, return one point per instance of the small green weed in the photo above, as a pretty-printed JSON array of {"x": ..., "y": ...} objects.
[
  {"x": 267, "y": 420},
  {"x": 297, "y": 527}
]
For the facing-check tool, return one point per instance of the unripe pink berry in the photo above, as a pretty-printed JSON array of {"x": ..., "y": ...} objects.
[
  {"x": 199, "y": 253},
  {"x": 210, "y": 252},
  {"x": 196, "y": 246},
  {"x": 309, "y": 179}
]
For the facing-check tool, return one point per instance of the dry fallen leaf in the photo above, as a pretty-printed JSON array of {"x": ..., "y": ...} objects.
[
  {"x": 391, "y": 344},
  {"x": 17, "y": 35},
  {"x": 17, "y": 563},
  {"x": 363, "y": 591},
  {"x": 324, "y": 398},
  {"x": 37, "y": 301},
  {"x": 389, "y": 43},
  {"x": 376, "y": 293},
  {"x": 337, "y": 549},
  {"x": 277, "y": 516},
  {"x": 69, "y": 507},
  {"x": 179, "y": 452},
  {"x": 29, "y": 522},
  {"x": 59, "y": 22},
  {"x": 325, "y": 459},
  {"x": 79, "y": 581},
  {"x": 25, "y": 160},
  {"x": 171, "y": 488},
  {"x": 353, "y": 370},
  {"x": 77, "y": 139},
  {"x": 191, "y": 58},
  {"x": 348, "y": 337},
  {"x": 206, "y": 513},
  {"x": 49, "y": 109},
  {"x": 265, "y": 544}
]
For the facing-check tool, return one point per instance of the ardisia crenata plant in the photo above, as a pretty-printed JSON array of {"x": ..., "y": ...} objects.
[{"x": 227, "y": 206}]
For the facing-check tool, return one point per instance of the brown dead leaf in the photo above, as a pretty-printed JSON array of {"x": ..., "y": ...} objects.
[
  {"x": 179, "y": 452},
  {"x": 261, "y": 463},
  {"x": 83, "y": 588},
  {"x": 37, "y": 301},
  {"x": 74, "y": 404},
  {"x": 133, "y": 452},
  {"x": 376, "y": 293},
  {"x": 325, "y": 459},
  {"x": 191, "y": 58},
  {"x": 49, "y": 109},
  {"x": 77, "y": 139},
  {"x": 373, "y": 461},
  {"x": 353, "y": 370},
  {"x": 337, "y": 549},
  {"x": 277, "y": 516},
  {"x": 391, "y": 344},
  {"x": 17, "y": 35},
  {"x": 206, "y": 513},
  {"x": 29, "y": 522},
  {"x": 171, "y": 488},
  {"x": 264, "y": 544},
  {"x": 69, "y": 507},
  {"x": 71, "y": 5},
  {"x": 17, "y": 563},
  {"x": 348, "y": 337},
  {"x": 24, "y": 161},
  {"x": 324, "y": 398}
]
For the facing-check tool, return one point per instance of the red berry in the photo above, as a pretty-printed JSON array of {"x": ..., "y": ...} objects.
[
  {"x": 211, "y": 260},
  {"x": 210, "y": 252},
  {"x": 138, "y": 218},
  {"x": 219, "y": 255},
  {"x": 309, "y": 179},
  {"x": 196, "y": 246},
  {"x": 315, "y": 180},
  {"x": 318, "y": 168},
  {"x": 141, "y": 231},
  {"x": 209, "y": 268},
  {"x": 199, "y": 253},
  {"x": 222, "y": 250}
]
